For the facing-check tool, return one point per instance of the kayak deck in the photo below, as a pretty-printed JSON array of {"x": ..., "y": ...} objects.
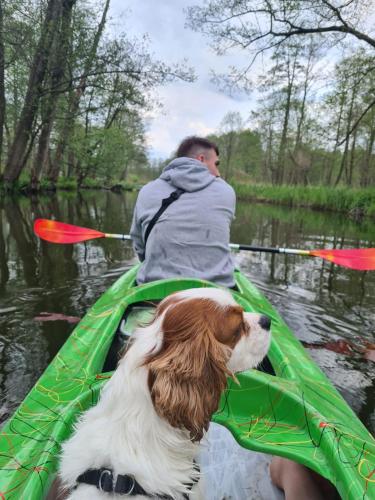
[
  {"x": 296, "y": 413},
  {"x": 232, "y": 472}
]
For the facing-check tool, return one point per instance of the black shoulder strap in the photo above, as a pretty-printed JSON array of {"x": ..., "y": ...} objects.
[{"x": 164, "y": 205}]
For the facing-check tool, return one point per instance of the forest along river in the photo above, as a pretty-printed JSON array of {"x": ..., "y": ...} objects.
[{"x": 45, "y": 288}]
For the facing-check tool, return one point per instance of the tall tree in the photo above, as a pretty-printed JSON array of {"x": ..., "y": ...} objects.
[
  {"x": 354, "y": 81},
  {"x": 274, "y": 117},
  {"x": 19, "y": 149},
  {"x": 230, "y": 127},
  {"x": 289, "y": 64},
  {"x": 75, "y": 97},
  {"x": 368, "y": 162},
  {"x": 337, "y": 102},
  {"x": 2, "y": 81},
  {"x": 52, "y": 89},
  {"x": 297, "y": 154}
]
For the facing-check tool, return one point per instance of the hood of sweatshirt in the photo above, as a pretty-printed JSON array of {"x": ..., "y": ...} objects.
[{"x": 188, "y": 174}]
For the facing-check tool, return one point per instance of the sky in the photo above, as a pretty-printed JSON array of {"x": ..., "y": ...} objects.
[{"x": 188, "y": 108}]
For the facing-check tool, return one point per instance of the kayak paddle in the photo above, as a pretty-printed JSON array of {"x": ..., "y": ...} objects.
[
  {"x": 361, "y": 259},
  {"x": 59, "y": 232}
]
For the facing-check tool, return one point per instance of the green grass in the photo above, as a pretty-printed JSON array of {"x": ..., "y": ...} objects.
[
  {"x": 69, "y": 184},
  {"x": 354, "y": 201}
]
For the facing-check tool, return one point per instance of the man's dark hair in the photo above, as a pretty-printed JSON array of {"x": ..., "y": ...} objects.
[{"x": 193, "y": 146}]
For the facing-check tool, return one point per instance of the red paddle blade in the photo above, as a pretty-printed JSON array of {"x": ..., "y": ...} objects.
[
  {"x": 59, "y": 232},
  {"x": 361, "y": 259}
]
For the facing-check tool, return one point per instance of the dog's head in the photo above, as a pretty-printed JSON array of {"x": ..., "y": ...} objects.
[{"x": 204, "y": 336}]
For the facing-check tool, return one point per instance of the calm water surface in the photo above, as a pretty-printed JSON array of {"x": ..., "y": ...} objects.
[{"x": 320, "y": 302}]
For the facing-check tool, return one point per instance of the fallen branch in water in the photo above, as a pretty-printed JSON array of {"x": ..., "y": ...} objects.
[
  {"x": 341, "y": 346},
  {"x": 45, "y": 316}
]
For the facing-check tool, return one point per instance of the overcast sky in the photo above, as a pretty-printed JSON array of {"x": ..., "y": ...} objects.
[{"x": 189, "y": 108}]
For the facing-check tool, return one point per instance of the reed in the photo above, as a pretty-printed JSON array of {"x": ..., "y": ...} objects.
[{"x": 357, "y": 202}]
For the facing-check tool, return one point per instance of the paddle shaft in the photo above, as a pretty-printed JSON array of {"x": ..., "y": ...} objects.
[
  {"x": 118, "y": 236},
  {"x": 233, "y": 246},
  {"x": 236, "y": 246}
]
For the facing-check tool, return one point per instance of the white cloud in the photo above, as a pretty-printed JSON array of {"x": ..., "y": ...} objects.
[{"x": 188, "y": 108}]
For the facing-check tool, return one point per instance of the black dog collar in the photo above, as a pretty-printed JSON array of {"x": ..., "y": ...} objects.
[{"x": 125, "y": 484}]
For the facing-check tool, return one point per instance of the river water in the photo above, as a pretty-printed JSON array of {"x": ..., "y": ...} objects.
[{"x": 321, "y": 302}]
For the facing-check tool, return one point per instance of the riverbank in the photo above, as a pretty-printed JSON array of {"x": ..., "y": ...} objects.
[
  {"x": 24, "y": 186},
  {"x": 355, "y": 202}
]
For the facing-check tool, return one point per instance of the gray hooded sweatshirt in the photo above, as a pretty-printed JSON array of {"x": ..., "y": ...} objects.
[{"x": 191, "y": 237}]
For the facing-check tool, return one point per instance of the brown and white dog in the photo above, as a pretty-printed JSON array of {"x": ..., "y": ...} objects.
[{"x": 143, "y": 435}]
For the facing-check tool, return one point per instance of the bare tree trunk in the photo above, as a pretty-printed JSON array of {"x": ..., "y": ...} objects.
[
  {"x": 295, "y": 177},
  {"x": 4, "y": 269},
  {"x": 71, "y": 164},
  {"x": 2, "y": 86},
  {"x": 68, "y": 128},
  {"x": 283, "y": 141},
  {"x": 350, "y": 165},
  {"x": 365, "y": 177},
  {"x": 229, "y": 152},
  {"x": 345, "y": 154},
  {"x": 337, "y": 140},
  {"x": 124, "y": 173},
  {"x": 16, "y": 103},
  {"x": 284, "y": 135},
  {"x": 269, "y": 163},
  {"x": 18, "y": 151},
  {"x": 55, "y": 166},
  {"x": 301, "y": 119}
]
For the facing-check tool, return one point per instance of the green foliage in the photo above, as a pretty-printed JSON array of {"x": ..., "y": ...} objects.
[
  {"x": 67, "y": 183},
  {"x": 355, "y": 201},
  {"x": 246, "y": 154},
  {"x": 370, "y": 211}
]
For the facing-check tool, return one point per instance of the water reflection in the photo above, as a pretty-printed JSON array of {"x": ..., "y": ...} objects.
[{"x": 318, "y": 300}]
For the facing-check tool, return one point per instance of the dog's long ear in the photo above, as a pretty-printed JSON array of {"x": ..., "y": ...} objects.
[{"x": 188, "y": 374}]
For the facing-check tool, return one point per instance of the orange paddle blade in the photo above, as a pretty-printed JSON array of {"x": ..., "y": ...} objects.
[
  {"x": 59, "y": 232},
  {"x": 361, "y": 259}
]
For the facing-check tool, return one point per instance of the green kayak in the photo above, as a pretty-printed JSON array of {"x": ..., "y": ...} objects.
[{"x": 292, "y": 411}]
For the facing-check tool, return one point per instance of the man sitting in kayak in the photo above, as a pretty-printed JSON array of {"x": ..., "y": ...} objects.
[{"x": 190, "y": 237}]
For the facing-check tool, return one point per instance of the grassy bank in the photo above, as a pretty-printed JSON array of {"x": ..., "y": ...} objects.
[
  {"x": 23, "y": 185},
  {"x": 355, "y": 202}
]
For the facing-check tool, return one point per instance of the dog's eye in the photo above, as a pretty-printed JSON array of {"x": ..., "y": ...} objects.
[
  {"x": 243, "y": 329},
  {"x": 239, "y": 330}
]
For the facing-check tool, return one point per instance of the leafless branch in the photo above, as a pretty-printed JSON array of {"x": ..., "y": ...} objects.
[{"x": 357, "y": 122}]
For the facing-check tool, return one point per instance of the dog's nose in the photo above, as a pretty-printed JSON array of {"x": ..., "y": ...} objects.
[{"x": 265, "y": 322}]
